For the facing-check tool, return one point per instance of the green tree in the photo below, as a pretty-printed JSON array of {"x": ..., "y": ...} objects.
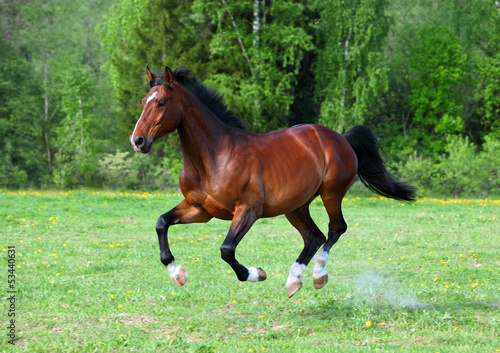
[
  {"x": 350, "y": 72},
  {"x": 157, "y": 33},
  {"x": 20, "y": 139},
  {"x": 436, "y": 61},
  {"x": 263, "y": 44}
]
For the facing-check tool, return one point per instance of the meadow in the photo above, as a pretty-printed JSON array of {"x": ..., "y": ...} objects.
[{"x": 410, "y": 277}]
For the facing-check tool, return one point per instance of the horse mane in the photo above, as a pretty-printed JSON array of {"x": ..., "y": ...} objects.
[{"x": 212, "y": 99}]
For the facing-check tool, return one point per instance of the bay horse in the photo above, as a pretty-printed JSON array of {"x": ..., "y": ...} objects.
[{"x": 233, "y": 174}]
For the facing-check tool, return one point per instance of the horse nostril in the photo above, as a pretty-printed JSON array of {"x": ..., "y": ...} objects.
[{"x": 139, "y": 141}]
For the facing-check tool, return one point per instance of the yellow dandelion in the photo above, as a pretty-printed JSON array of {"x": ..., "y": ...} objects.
[
  {"x": 57, "y": 274},
  {"x": 382, "y": 324},
  {"x": 368, "y": 323},
  {"x": 70, "y": 291},
  {"x": 119, "y": 306},
  {"x": 111, "y": 296}
]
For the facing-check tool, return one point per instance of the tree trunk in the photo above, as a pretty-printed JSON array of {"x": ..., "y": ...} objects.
[{"x": 46, "y": 115}]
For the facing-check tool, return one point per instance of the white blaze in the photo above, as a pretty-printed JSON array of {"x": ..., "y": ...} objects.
[{"x": 150, "y": 98}]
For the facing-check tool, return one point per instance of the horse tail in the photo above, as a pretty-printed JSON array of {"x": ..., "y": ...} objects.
[{"x": 371, "y": 168}]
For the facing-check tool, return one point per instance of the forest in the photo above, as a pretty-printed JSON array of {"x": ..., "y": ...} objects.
[{"x": 423, "y": 74}]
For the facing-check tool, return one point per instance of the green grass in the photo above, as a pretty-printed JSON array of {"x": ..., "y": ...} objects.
[{"x": 424, "y": 275}]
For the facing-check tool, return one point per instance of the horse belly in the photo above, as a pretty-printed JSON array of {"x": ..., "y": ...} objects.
[{"x": 291, "y": 186}]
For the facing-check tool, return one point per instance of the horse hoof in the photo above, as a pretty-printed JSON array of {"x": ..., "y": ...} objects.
[
  {"x": 181, "y": 278},
  {"x": 256, "y": 274},
  {"x": 292, "y": 288},
  {"x": 320, "y": 282},
  {"x": 262, "y": 274}
]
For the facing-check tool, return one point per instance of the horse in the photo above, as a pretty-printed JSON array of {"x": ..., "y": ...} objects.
[{"x": 233, "y": 174}]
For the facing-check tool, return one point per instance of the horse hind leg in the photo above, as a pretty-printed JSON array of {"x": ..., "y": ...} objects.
[
  {"x": 313, "y": 239},
  {"x": 336, "y": 228}
]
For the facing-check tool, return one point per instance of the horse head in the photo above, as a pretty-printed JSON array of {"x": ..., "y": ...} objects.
[{"x": 161, "y": 111}]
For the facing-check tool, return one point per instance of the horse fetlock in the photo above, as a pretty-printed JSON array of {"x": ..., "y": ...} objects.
[
  {"x": 320, "y": 275},
  {"x": 166, "y": 259},
  {"x": 294, "y": 282}
]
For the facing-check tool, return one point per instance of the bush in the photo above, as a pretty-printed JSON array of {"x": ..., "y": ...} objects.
[
  {"x": 460, "y": 172},
  {"x": 116, "y": 170}
]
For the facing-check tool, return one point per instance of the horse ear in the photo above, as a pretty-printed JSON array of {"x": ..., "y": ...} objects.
[
  {"x": 151, "y": 75},
  {"x": 168, "y": 76}
]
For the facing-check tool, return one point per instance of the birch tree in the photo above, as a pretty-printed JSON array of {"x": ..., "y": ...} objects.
[
  {"x": 350, "y": 73},
  {"x": 263, "y": 43}
]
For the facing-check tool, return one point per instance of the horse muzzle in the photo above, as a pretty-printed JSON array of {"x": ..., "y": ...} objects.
[{"x": 141, "y": 144}]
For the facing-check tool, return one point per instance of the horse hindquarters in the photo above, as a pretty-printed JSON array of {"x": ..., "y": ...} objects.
[
  {"x": 341, "y": 167},
  {"x": 339, "y": 170}
]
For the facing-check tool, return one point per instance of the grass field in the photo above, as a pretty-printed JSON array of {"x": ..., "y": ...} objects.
[{"x": 421, "y": 277}]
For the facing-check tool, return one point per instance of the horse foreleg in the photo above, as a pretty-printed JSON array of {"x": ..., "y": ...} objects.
[
  {"x": 183, "y": 213},
  {"x": 313, "y": 239},
  {"x": 243, "y": 219}
]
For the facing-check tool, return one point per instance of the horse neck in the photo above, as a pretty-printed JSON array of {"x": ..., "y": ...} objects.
[{"x": 201, "y": 133}]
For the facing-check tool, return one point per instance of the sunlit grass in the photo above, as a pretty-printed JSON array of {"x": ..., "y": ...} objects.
[{"x": 406, "y": 277}]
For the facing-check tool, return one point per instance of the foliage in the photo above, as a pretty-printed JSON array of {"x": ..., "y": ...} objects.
[
  {"x": 350, "y": 73},
  {"x": 263, "y": 44},
  {"x": 462, "y": 171},
  {"x": 436, "y": 68},
  {"x": 425, "y": 75}
]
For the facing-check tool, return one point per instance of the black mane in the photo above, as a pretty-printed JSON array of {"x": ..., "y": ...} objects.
[{"x": 213, "y": 100}]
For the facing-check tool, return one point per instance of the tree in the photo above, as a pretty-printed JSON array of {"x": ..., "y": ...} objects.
[
  {"x": 263, "y": 45},
  {"x": 350, "y": 73},
  {"x": 436, "y": 61}
]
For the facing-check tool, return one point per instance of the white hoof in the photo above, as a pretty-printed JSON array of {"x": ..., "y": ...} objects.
[{"x": 177, "y": 273}]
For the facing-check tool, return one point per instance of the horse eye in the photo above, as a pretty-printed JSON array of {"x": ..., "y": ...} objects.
[{"x": 161, "y": 103}]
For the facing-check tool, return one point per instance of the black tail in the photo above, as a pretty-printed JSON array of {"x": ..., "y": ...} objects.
[{"x": 371, "y": 167}]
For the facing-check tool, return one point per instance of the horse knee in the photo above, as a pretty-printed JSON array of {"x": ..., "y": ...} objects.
[
  {"x": 161, "y": 223},
  {"x": 227, "y": 252}
]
